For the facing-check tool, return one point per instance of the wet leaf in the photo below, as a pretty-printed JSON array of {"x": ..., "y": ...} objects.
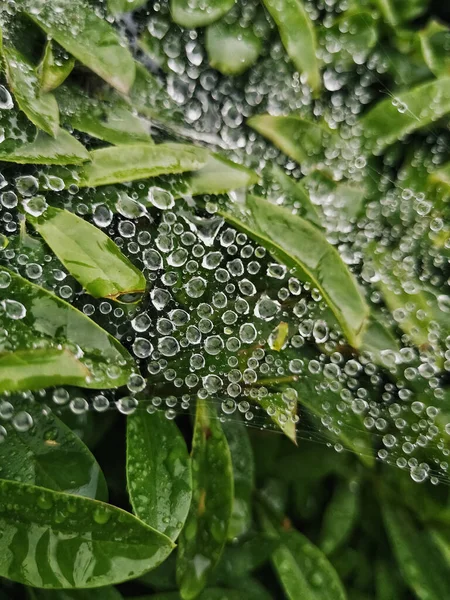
[
  {"x": 212, "y": 593},
  {"x": 298, "y": 138},
  {"x": 45, "y": 452},
  {"x": 105, "y": 593},
  {"x": 195, "y": 13},
  {"x": 37, "y": 319},
  {"x": 301, "y": 246},
  {"x": 139, "y": 161},
  {"x": 158, "y": 472},
  {"x": 298, "y": 36},
  {"x": 397, "y": 116},
  {"x": 434, "y": 41},
  {"x": 282, "y": 413},
  {"x": 355, "y": 33},
  {"x": 202, "y": 540},
  {"x": 243, "y": 476},
  {"x": 56, "y": 540},
  {"x": 396, "y": 12},
  {"x": 239, "y": 560},
  {"x": 89, "y": 255},
  {"x": 122, "y": 6},
  {"x": 302, "y": 569},
  {"x": 63, "y": 149},
  {"x": 232, "y": 49},
  {"x": 90, "y": 39},
  {"x": 108, "y": 118},
  {"x": 423, "y": 563},
  {"x": 339, "y": 517},
  {"x": 40, "y": 108},
  {"x": 55, "y": 66}
]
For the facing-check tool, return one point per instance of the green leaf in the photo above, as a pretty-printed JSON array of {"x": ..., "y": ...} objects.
[
  {"x": 41, "y": 320},
  {"x": 423, "y": 563},
  {"x": 89, "y": 255},
  {"x": 36, "y": 369},
  {"x": 197, "y": 13},
  {"x": 105, "y": 593},
  {"x": 202, "y": 540},
  {"x": 243, "y": 475},
  {"x": 238, "y": 561},
  {"x": 282, "y": 413},
  {"x": 396, "y": 12},
  {"x": 397, "y": 116},
  {"x": 90, "y": 39},
  {"x": 340, "y": 517},
  {"x": 302, "y": 247},
  {"x": 139, "y": 161},
  {"x": 434, "y": 41},
  {"x": 63, "y": 149},
  {"x": 40, "y": 108},
  {"x": 122, "y": 6},
  {"x": 354, "y": 32},
  {"x": 48, "y": 454},
  {"x": 108, "y": 118},
  {"x": 298, "y": 36},
  {"x": 298, "y": 138},
  {"x": 302, "y": 569},
  {"x": 55, "y": 66},
  {"x": 231, "y": 48},
  {"x": 213, "y": 593},
  {"x": 158, "y": 472},
  {"x": 55, "y": 540}
]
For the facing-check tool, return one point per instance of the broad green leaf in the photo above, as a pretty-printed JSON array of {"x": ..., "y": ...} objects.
[
  {"x": 139, "y": 161},
  {"x": 397, "y": 116},
  {"x": 282, "y": 413},
  {"x": 298, "y": 138},
  {"x": 232, "y": 49},
  {"x": 89, "y": 255},
  {"x": 55, "y": 66},
  {"x": 302, "y": 569},
  {"x": 202, "y": 539},
  {"x": 388, "y": 582},
  {"x": 63, "y": 149},
  {"x": 298, "y": 36},
  {"x": 158, "y": 472},
  {"x": 107, "y": 118},
  {"x": 243, "y": 475},
  {"x": 302, "y": 247},
  {"x": 45, "y": 452},
  {"x": 434, "y": 40},
  {"x": 40, "y": 108},
  {"x": 340, "y": 517},
  {"x": 196, "y": 13},
  {"x": 423, "y": 563},
  {"x": 103, "y": 593},
  {"x": 36, "y": 369},
  {"x": 90, "y": 39},
  {"x": 37, "y": 319},
  {"x": 354, "y": 32},
  {"x": 238, "y": 561},
  {"x": 56, "y": 540},
  {"x": 122, "y": 6}
]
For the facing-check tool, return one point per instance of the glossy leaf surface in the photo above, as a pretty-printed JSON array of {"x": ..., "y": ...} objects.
[
  {"x": 55, "y": 66},
  {"x": 90, "y": 39},
  {"x": 198, "y": 14},
  {"x": 89, "y": 255},
  {"x": 158, "y": 472},
  {"x": 204, "y": 535},
  {"x": 48, "y": 454},
  {"x": 121, "y": 6},
  {"x": 298, "y": 37},
  {"x": 37, "y": 318},
  {"x": 281, "y": 413},
  {"x": 232, "y": 49},
  {"x": 55, "y": 540},
  {"x": 301, "y": 246}
]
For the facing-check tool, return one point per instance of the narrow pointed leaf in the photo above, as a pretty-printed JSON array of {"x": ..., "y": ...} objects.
[
  {"x": 40, "y": 108},
  {"x": 281, "y": 413},
  {"x": 232, "y": 49},
  {"x": 301, "y": 246},
  {"x": 191, "y": 14},
  {"x": 298, "y": 37},
  {"x": 109, "y": 119},
  {"x": 90, "y": 39},
  {"x": 298, "y": 138},
  {"x": 42, "y": 320},
  {"x": 63, "y": 149},
  {"x": 219, "y": 175},
  {"x": 89, "y": 255},
  {"x": 202, "y": 540},
  {"x": 340, "y": 517},
  {"x": 55, "y": 67},
  {"x": 55, "y": 540},
  {"x": 139, "y": 161},
  {"x": 49, "y": 454},
  {"x": 158, "y": 472},
  {"x": 243, "y": 476},
  {"x": 395, "y": 117}
]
